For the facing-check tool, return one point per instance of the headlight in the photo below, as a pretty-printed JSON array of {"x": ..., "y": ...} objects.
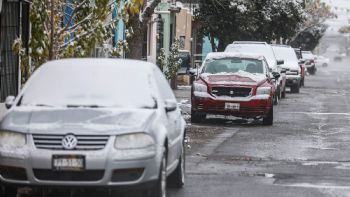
[
  {"x": 133, "y": 141},
  {"x": 292, "y": 72},
  {"x": 198, "y": 87},
  {"x": 263, "y": 91},
  {"x": 12, "y": 139}
]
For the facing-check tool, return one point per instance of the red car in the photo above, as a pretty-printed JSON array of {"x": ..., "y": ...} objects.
[{"x": 233, "y": 84}]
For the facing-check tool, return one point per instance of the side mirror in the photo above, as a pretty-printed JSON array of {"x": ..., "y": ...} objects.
[
  {"x": 280, "y": 62},
  {"x": 193, "y": 72},
  {"x": 276, "y": 75},
  {"x": 170, "y": 105},
  {"x": 10, "y": 100},
  {"x": 302, "y": 62}
]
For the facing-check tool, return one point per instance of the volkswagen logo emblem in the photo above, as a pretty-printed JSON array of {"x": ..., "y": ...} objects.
[
  {"x": 232, "y": 92},
  {"x": 69, "y": 142}
]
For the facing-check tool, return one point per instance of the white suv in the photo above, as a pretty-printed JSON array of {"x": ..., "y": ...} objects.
[{"x": 262, "y": 48}]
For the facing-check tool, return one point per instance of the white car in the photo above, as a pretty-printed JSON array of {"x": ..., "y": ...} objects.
[{"x": 322, "y": 61}]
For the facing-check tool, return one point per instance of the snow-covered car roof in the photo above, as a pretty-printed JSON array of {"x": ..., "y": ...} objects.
[{"x": 221, "y": 55}]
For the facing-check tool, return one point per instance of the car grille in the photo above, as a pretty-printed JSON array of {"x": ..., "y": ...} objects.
[
  {"x": 85, "y": 142},
  {"x": 50, "y": 175},
  {"x": 231, "y": 91}
]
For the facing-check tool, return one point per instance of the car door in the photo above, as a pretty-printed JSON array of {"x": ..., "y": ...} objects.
[{"x": 172, "y": 118}]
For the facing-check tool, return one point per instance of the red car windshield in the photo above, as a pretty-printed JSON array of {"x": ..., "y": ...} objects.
[{"x": 233, "y": 65}]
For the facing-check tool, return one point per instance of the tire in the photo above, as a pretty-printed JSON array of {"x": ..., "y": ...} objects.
[
  {"x": 283, "y": 95},
  {"x": 302, "y": 82},
  {"x": 275, "y": 98},
  {"x": 159, "y": 189},
  {"x": 195, "y": 117},
  {"x": 9, "y": 191},
  {"x": 177, "y": 178},
  {"x": 268, "y": 120},
  {"x": 295, "y": 88}
]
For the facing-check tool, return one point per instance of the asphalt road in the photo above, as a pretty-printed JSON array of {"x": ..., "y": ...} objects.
[{"x": 305, "y": 153}]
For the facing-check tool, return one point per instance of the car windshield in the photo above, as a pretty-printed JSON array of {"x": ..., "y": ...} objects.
[
  {"x": 260, "y": 49},
  {"x": 233, "y": 65},
  {"x": 308, "y": 55},
  {"x": 89, "y": 86},
  {"x": 286, "y": 54}
]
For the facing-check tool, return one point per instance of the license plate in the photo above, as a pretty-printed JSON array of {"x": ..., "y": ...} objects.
[
  {"x": 232, "y": 106},
  {"x": 68, "y": 162}
]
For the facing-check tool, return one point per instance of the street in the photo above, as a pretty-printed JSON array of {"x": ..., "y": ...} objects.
[{"x": 305, "y": 153}]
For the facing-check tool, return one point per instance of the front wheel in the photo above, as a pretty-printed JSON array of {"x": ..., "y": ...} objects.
[
  {"x": 9, "y": 191},
  {"x": 276, "y": 98},
  {"x": 159, "y": 189},
  {"x": 268, "y": 119},
  {"x": 295, "y": 88},
  {"x": 177, "y": 178}
]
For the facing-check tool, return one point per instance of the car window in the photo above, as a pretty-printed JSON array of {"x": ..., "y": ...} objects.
[
  {"x": 163, "y": 86},
  {"x": 286, "y": 54},
  {"x": 232, "y": 65}
]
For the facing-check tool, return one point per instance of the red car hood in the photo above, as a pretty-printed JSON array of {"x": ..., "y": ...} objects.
[{"x": 240, "y": 78}]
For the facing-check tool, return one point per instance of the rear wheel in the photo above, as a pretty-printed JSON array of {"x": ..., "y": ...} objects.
[
  {"x": 177, "y": 178},
  {"x": 283, "y": 95},
  {"x": 276, "y": 99},
  {"x": 268, "y": 119}
]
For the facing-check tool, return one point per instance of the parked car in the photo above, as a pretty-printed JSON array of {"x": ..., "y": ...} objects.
[
  {"x": 322, "y": 61},
  {"x": 309, "y": 59},
  {"x": 83, "y": 122},
  {"x": 291, "y": 66},
  {"x": 299, "y": 54},
  {"x": 234, "y": 84},
  {"x": 264, "y": 49}
]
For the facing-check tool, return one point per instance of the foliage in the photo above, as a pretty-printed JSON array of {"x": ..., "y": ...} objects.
[
  {"x": 313, "y": 29},
  {"x": 173, "y": 62},
  {"x": 136, "y": 15},
  {"x": 265, "y": 20},
  {"x": 61, "y": 29},
  {"x": 161, "y": 60}
]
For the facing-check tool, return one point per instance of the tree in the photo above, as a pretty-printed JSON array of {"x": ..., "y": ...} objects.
[
  {"x": 264, "y": 20},
  {"x": 312, "y": 30},
  {"x": 136, "y": 15},
  {"x": 65, "y": 28}
]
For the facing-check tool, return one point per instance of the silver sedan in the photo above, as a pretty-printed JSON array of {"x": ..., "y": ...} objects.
[{"x": 93, "y": 122}]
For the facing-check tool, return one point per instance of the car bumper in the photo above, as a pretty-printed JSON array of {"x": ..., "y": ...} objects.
[
  {"x": 255, "y": 106},
  {"x": 108, "y": 167},
  {"x": 293, "y": 80}
]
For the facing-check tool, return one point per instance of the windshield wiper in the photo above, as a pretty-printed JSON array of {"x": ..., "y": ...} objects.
[
  {"x": 44, "y": 105},
  {"x": 85, "y": 106}
]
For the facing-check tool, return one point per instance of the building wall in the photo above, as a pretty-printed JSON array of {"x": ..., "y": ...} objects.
[{"x": 184, "y": 28}]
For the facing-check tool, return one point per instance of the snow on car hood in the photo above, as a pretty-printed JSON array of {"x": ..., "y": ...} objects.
[
  {"x": 82, "y": 120},
  {"x": 291, "y": 65},
  {"x": 238, "y": 78}
]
